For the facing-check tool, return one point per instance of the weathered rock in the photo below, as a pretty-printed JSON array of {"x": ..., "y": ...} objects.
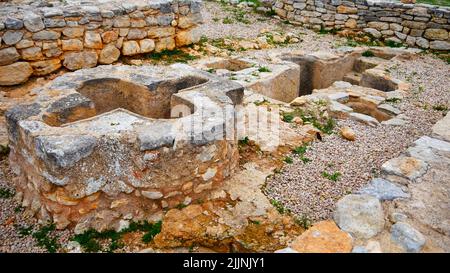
[
  {"x": 46, "y": 35},
  {"x": 93, "y": 39},
  {"x": 371, "y": 247},
  {"x": 378, "y": 25},
  {"x": 323, "y": 237},
  {"x": 372, "y": 31},
  {"x": 147, "y": 45},
  {"x": 33, "y": 22},
  {"x": 346, "y": 10},
  {"x": 15, "y": 73},
  {"x": 109, "y": 54},
  {"x": 440, "y": 45},
  {"x": 13, "y": 23},
  {"x": 12, "y": 37},
  {"x": 78, "y": 60},
  {"x": 187, "y": 37},
  {"x": 408, "y": 237},
  {"x": 72, "y": 44},
  {"x": 360, "y": 215},
  {"x": 436, "y": 34},
  {"x": 130, "y": 48},
  {"x": 407, "y": 167},
  {"x": 32, "y": 53},
  {"x": 285, "y": 250},
  {"x": 383, "y": 190},
  {"x": 74, "y": 32},
  {"x": 152, "y": 194},
  {"x": 136, "y": 34},
  {"x": 8, "y": 55},
  {"x": 441, "y": 129},
  {"x": 421, "y": 42},
  {"x": 165, "y": 43},
  {"x": 364, "y": 119},
  {"x": 42, "y": 68},
  {"x": 348, "y": 133},
  {"x": 109, "y": 36}
]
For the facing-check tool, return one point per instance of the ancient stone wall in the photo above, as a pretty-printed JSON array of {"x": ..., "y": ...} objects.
[
  {"x": 419, "y": 25},
  {"x": 38, "y": 40}
]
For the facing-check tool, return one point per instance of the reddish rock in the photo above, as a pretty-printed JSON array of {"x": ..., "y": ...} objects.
[{"x": 323, "y": 237}]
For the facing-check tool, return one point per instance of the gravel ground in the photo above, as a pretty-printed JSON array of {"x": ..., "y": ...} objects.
[
  {"x": 302, "y": 189},
  {"x": 13, "y": 219},
  {"x": 213, "y": 28}
]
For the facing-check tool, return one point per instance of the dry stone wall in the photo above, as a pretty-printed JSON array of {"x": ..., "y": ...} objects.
[
  {"x": 418, "y": 25},
  {"x": 39, "y": 39}
]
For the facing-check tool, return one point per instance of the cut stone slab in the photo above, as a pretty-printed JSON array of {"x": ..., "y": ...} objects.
[
  {"x": 426, "y": 149},
  {"x": 323, "y": 237},
  {"x": 394, "y": 122},
  {"x": 361, "y": 215},
  {"x": 383, "y": 190},
  {"x": 407, "y": 236},
  {"x": 364, "y": 119},
  {"x": 407, "y": 167},
  {"x": 441, "y": 129},
  {"x": 389, "y": 109}
]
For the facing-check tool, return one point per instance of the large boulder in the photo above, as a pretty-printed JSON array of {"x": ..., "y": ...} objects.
[
  {"x": 361, "y": 215},
  {"x": 15, "y": 73},
  {"x": 323, "y": 237}
]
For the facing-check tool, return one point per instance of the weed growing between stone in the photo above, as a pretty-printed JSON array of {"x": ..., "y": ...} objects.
[
  {"x": 91, "y": 240},
  {"x": 171, "y": 56}
]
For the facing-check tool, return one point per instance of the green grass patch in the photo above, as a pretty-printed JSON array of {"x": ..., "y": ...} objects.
[
  {"x": 300, "y": 150},
  {"x": 6, "y": 193},
  {"x": 393, "y": 100},
  {"x": 288, "y": 160},
  {"x": 368, "y": 53},
  {"x": 435, "y": 2},
  {"x": 278, "y": 206},
  {"x": 264, "y": 69},
  {"x": 171, "y": 56},
  {"x": 304, "y": 221},
  {"x": 44, "y": 236},
  {"x": 91, "y": 239},
  {"x": 440, "y": 107},
  {"x": 391, "y": 43},
  {"x": 244, "y": 141},
  {"x": 333, "y": 177}
]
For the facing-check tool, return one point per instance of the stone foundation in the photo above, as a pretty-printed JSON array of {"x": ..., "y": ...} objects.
[
  {"x": 419, "y": 25},
  {"x": 38, "y": 40},
  {"x": 99, "y": 159}
]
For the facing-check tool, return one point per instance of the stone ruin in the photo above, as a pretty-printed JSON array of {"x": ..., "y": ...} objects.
[
  {"x": 39, "y": 37},
  {"x": 105, "y": 145},
  {"x": 113, "y": 143}
]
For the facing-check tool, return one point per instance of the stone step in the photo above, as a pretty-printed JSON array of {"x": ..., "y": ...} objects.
[
  {"x": 364, "y": 63},
  {"x": 353, "y": 78}
]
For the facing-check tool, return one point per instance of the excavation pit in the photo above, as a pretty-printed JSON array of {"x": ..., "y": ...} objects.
[{"x": 104, "y": 146}]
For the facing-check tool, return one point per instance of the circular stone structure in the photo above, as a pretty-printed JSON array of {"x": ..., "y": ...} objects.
[{"x": 106, "y": 145}]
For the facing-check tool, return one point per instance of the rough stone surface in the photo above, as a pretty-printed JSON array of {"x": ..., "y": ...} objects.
[
  {"x": 15, "y": 73},
  {"x": 360, "y": 215},
  {"x": 109, "y": 54},
  {"x": 323, "y": 237},
  {"x": 78, "y": 60},
  {"x": 8, "y": 55},
  {"x": 408, "y": 237},
  {"x": 383, "y": 190},
  {"x": 408, "y": 167}
]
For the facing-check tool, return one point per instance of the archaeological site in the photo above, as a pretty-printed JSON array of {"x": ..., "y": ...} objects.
[{"x": 225, "y": 126}]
